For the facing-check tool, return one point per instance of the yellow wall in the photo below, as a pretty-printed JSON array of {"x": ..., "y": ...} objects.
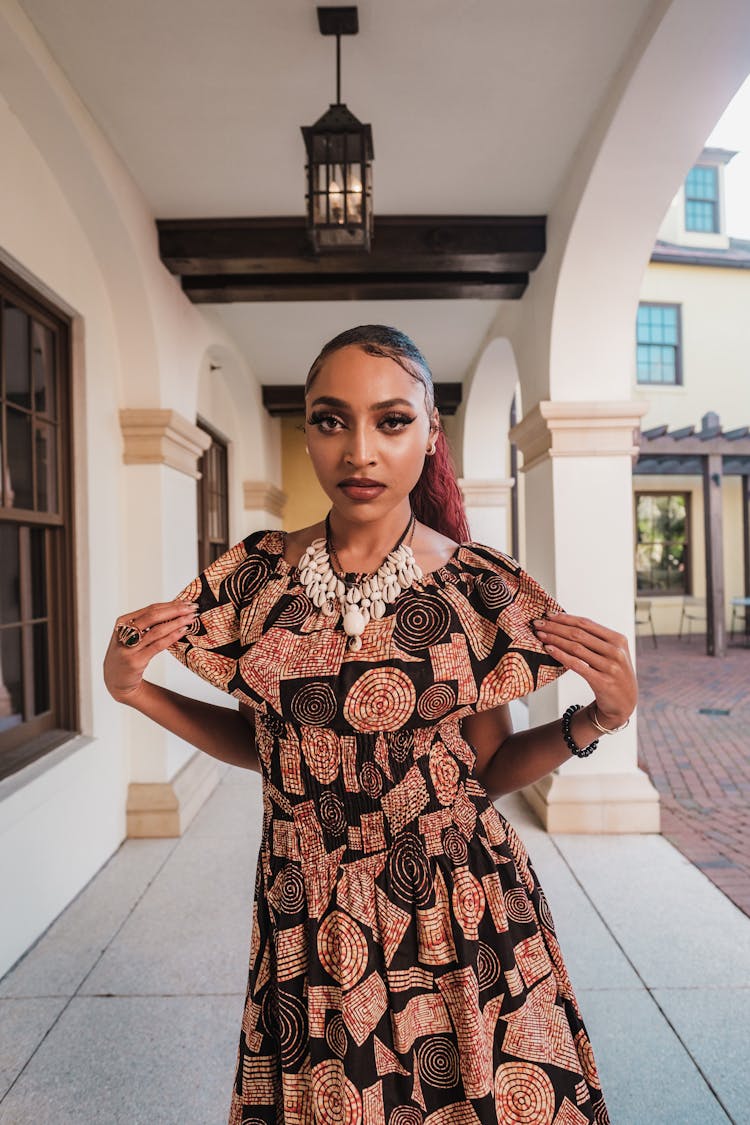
[{"x": 306, "y": 502}]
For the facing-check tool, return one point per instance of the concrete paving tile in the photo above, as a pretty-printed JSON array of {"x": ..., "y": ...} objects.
[
  {"x": 235, "y": 808},
  {"x": 190, "y": 933},
  {"x": 59, "y": 961},
  {"x": 675, "y": 926},
  {"x": 592, "y": 956},
  {"x": 132, "y": 1061},
  {"x": 714, "y": 1024},
  {"x": 23, "y": 1024},
  {"x": 646, "y": 1073}
]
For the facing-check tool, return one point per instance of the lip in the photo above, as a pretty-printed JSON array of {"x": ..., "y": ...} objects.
[{"x": 361, "y": 488}]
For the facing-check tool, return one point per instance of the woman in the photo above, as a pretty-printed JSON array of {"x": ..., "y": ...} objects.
[{"x": 404, "y": 965}]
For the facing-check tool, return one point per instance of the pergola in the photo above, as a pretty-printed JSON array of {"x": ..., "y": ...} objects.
[{"x": 711, "y": 453}]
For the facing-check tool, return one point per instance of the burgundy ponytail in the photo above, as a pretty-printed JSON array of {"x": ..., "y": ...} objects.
[{"x": 436, "y": 498}]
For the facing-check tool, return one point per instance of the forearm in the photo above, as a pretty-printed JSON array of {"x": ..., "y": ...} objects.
[
  {"x": 529, "y": 755},
  {"x": 223, "y": 733}
]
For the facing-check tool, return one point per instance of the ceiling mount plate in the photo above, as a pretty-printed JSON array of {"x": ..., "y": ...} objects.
[{"x": 338, "y": 21}]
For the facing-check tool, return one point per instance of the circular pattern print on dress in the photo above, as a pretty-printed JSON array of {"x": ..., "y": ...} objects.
[
  {"x": 380, "y": 699},
  {"x": 371, "y": 779},
  {"x": 517, "y": 905},
  {"x": 292, "y": 890},
  {"x": 336, "y": 1035},
  {"x": 406, "y": 1115},
  {"x": 292, "y": 1030},
  {"x": 468, "y": 901},
  {"x": 295, "y": 612},
  {"x": 544, "y": 911},
  {"x": 488, "y": 965},
  {"x": 401, "y": 744},
  {"x": 454, "y": 844},
  {"x": 332, "y": 812},
  {"x": 342, "y": 948},
  {"x": 314, "y": 704},
  {"x": 494, "y": 592},
  {"x": 438, "y": 1061},
  {"x": 422, "y": 620},
  {"x": 409, "y": 870},
  {"x": 436, "y": 702},
  {"x": 269, "y": 1012},
  {"x": 336, "y": 1101},
  {"x": 524, "y": 1094},
  {"x": 245, "y": 582}
]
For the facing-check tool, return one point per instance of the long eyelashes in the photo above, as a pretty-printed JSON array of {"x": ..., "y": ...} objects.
[{"x": 392, "y": 423}]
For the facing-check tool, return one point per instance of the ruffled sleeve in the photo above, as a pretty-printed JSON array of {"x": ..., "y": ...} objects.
[
  {"x": 503, "y": 601},
  {"x": 225, "y": 593}
]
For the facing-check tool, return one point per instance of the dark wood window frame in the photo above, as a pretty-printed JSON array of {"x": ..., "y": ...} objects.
[
  {"x": 688, "y": 584},
  {"x": 678, "y": 346},
  {"x": 210, "y": 546},
  {"x": 30, "y": 739}
]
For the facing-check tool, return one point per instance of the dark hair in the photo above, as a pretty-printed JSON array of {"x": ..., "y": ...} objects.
[{"x": 436, "y": 498}]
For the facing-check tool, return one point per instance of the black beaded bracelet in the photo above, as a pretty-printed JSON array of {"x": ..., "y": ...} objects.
[{"x": 580, "y": 752}]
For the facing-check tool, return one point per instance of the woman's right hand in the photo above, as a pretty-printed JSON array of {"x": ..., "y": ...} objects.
[{"x": 160, "y": 624}]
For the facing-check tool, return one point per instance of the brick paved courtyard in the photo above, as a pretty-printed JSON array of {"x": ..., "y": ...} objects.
[{"x": 700, "y": 762}]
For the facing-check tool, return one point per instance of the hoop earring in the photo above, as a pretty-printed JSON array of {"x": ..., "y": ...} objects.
[{"x": 432, "y": 449}]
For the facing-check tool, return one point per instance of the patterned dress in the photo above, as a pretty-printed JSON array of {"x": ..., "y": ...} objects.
[{"x": 404, "y": 968}]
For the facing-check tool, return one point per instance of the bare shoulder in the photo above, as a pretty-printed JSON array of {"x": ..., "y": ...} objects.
[
  {"x": 298, "y": 541},
  {"x": 431, "y": 548}
]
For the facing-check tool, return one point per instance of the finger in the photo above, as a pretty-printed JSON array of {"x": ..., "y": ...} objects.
[
  {"x": 160, "y": 636},
  {"x": 585, "y": 624},
  {"x": 158, "y": 613},
  {"x": 604, "y": 663},
  {"x": 574, "y": 664}
]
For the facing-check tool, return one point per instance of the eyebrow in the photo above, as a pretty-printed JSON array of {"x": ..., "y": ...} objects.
[{"x": 329, "y": 400}]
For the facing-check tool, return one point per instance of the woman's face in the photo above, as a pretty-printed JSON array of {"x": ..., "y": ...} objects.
[{"x": 368, "y": 431}]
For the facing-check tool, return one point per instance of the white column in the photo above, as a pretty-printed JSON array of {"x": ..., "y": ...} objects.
[
  {"x": 169, "y": 780},
  {"x": 264, "y": 502},
  {"x": 579, "y": 541},
  {"x": 488, "y": 504}
]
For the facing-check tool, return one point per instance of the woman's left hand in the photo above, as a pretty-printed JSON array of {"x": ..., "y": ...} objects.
[{"x": 598, "y": 654}]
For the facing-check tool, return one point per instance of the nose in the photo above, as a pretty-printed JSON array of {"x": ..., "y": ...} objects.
[{"x": 360, "y": 452}]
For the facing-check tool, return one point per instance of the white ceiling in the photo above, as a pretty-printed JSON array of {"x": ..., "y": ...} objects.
[{"x": 476, "y": 107}]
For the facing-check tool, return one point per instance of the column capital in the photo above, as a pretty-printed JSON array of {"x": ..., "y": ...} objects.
[
  {"x": 162, "y": 437},
  {"x": 262, "y": 496},
  {"x": 578, "y": 429},
  {"x": 486, "y": 493}
]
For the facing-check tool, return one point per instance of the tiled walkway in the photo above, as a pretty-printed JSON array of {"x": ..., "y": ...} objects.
[
  {"x": 694, "y": 742},
  {"x": 127, "y": 1011}
]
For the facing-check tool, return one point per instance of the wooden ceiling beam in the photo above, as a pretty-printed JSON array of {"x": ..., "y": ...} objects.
[
  {"x": 434, "y": 256},
  {"x": 290, "y": 399}
]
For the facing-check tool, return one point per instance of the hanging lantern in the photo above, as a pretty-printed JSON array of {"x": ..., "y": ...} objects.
[{"x": 339, "y": 159}]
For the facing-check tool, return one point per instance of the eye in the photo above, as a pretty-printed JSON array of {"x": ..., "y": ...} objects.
[
  {"x": 326, "y": 423},
  {"x": 392, "y": 423}
]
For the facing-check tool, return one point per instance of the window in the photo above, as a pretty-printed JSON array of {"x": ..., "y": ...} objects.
[
  {"x": 37, "y": 619},
  {"x": 658, "y": 344},
  {"x": 702, "y": 199},
  {"x": 662, "y": 543},
  {"x": 213, "y": 510}
]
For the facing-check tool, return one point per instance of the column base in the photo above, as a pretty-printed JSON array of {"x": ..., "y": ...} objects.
[
  {"x": 165, "y": 808},
  {"x": 602, "y": 803}
]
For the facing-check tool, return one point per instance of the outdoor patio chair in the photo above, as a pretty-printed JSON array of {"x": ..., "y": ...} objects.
[
  {"x": 741, "y": 612},
  {"x": 643, "y": 617},
  {"x": 693, "y": 609}
]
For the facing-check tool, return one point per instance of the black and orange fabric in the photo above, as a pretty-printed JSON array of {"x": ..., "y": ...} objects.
[{"x": 404, "y": 967}]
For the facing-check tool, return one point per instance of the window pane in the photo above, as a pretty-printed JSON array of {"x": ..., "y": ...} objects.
[
  {"x": 43, "y": 369},
  {"x": 10, "y": 590},
  {"x": 46, "y": 467},
  {"x": 11, "y": 687},
  {"x": 38, "y": 572},
  {"x": 19, "y": 485},
  {"x": 16, "y": 355},
  {"x": 41, "y": 669},
  {"x": 662, "y": 549}
]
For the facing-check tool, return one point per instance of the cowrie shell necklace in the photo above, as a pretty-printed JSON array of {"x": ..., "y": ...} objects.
[{"x": 357, "y": 601}]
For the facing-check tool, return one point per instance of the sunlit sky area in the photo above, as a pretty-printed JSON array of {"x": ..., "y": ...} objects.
[{"x": 733, "y": 132}]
